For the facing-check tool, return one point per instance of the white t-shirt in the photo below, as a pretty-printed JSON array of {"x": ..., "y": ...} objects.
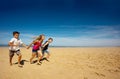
[{"x": 17, "y": 42}]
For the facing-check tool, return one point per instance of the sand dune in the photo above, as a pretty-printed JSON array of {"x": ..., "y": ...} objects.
[{"x": 64, "y": 63}]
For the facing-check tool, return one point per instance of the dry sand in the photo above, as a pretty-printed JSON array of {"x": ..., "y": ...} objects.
[{"x": 65, "y": 63}]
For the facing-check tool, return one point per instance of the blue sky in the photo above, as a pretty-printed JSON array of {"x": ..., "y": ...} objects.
[{"x": 68, "y": 22}]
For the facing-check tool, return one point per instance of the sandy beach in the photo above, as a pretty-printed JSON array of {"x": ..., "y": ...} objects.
[{"x": 64, "y": 63}]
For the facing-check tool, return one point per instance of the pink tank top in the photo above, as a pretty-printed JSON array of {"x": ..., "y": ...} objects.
[{"x": 37, "y": 45}]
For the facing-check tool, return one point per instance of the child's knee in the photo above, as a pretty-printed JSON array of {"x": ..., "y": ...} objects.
[
  {"x": 11, "y": 56},
  {"x": 48, "y": 54},
  {"x": 41, "y": 55},
  {"x": 20, "y": 55}
]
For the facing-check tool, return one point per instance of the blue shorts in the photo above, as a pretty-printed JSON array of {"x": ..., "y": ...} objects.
[{"x": 45, "y": 51}]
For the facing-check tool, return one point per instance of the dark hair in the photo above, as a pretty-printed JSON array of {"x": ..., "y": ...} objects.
[
  {"x": 50, "y": 39},
  {"x": 16, "y": 32}
]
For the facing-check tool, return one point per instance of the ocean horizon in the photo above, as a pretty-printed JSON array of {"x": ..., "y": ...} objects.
[{"x": 67, "y": 46}]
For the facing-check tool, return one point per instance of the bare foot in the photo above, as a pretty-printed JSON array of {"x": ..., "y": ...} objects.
[
  {"x": 19, "y": 65},
  {"x": 39, "y": 63},
  {"x": 31, "y": 62},
  {"x": 10, "y": 64}
]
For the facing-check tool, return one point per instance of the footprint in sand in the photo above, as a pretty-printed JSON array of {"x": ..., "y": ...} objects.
[
  {"x": 99, "y": 74},
  {"x": 112, "y": 70},
  {"x": 85, "y": 78}
]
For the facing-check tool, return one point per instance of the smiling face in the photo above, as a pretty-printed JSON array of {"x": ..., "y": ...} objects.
[
  {"x": 16, "y": 36},
  {"x": 50, "y": 40},
  {"x": 43, "y": 37}
]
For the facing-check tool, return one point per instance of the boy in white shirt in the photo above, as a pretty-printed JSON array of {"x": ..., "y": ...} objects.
[{"x": 14, "y": 44}]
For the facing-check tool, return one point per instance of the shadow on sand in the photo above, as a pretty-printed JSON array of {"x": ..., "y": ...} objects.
[
  {"x": 44, "y": 59},
  {"x": 22, "y": 62},
  {"x": 35, "y": 61}
]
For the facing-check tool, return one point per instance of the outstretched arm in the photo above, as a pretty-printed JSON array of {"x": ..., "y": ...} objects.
[
  {"x": 24, "y": 45},
  {"x": 45, "y": 44},
  {"x": 30, "y": 44}
]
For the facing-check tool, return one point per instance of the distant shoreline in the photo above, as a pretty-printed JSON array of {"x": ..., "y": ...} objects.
[{"x": 68, "y": 46}]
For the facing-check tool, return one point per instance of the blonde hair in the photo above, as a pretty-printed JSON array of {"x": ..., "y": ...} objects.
[{"x": 40, "y": 38}]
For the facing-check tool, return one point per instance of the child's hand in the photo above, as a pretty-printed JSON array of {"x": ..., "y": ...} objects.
[
  {"x": 42, "y": 48},
  {"x": 27, "y": 47},
  {"x": 16, "y": 45}
]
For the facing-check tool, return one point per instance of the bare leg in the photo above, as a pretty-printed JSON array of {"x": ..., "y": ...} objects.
[
  {"x": 42, "y": 55},
  {"x": 19, "y": 59},
  {"x": 48, "y": 55},
  {"x": 39, "y": 56},
  {"x": 36, "y": 55},
  {"x": 10, "y": 60},
  {"x": 33, "y": 55},
  {"x": 11, "y": 54}
]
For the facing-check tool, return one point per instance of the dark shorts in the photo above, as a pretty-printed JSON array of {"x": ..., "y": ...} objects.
[
  {"x": 35, "y": 51},
  {"x": 11, "y": 53}
]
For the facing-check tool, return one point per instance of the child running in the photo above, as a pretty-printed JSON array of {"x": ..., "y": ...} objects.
[
  {"x": 45, "y": 47},
  {"x": 36, "y": 49},
  {"x": 14, "y": 44}
]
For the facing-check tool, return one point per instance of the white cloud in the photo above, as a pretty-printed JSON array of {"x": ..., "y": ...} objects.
[
  {"x": 100, "y": 32},
  {"x": 69, "y": 41},
  {"x": 92, "y": 36}
]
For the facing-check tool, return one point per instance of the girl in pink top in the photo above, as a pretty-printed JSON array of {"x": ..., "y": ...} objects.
[{"x": 36, "y": 49}]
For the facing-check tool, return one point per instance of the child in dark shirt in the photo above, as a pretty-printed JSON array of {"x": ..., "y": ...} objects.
[{"x": 45, "y": 47}]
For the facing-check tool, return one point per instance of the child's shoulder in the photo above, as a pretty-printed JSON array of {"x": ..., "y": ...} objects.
[
  {"x": 15, "y": 39},
  {"x": 12, "y": 38},
  {"x": 34, "y": 41},
  {"x": 46, "y": 41}
]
